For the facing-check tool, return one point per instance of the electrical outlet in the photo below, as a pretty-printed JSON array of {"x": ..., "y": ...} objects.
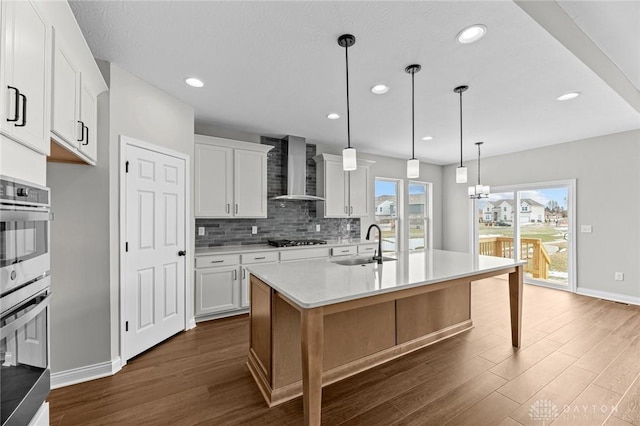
[
  {"x": 254, "y": 230},
  {"x": 348, "y": 227},
  {"x": 201, "y": 230},
  {"x": 317, "y": 228},
  {"x": 619, "y": 276},
  {"x": 586, "y": 229}
]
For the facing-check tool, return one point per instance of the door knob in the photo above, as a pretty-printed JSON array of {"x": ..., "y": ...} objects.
[{"x": 182, "y": 253}]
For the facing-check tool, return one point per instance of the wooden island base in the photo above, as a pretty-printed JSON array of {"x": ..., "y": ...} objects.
[{"x": 348, "y": 337}]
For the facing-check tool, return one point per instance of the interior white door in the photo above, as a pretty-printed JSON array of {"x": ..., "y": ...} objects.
[{"x": 154, "y": 288}]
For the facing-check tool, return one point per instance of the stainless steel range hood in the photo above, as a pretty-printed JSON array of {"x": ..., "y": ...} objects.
[{"x": 294, "y": 169}]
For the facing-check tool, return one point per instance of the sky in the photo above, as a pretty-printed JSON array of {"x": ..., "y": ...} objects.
[{"x": 384, "y": 187}]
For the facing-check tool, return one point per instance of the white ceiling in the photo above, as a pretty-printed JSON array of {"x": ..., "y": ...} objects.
[{"x": 274, "y": 68}]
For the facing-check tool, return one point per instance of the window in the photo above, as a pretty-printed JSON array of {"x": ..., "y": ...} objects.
[
  {"x": 417, "y": 215},
  {"x": 386, "y": 212},
  {"x": 504, "y": 209}
]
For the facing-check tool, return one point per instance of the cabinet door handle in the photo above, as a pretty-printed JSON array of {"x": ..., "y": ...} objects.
[
  {"x": 345, "y": 209},
  {"x": 228, "y": 206},
  {"x": 16, "y": 106},
  {"x": 351, "y": 210},
  {"x": 235, "y": 274},
  {"x": 236, "y": 209},
  {"x": 244, "y": 273},
  {"x": 24, "y": 111},
  {"x": 81, "y": 131},
  {"x": 86, "y": 141}
]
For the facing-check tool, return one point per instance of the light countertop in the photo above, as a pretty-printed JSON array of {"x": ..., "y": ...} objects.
[
  {"x": 321, "y": 282},
  {"x": 252, "y": 248}
]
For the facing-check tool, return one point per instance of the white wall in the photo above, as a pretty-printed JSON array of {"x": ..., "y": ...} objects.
[
  {"x": 85, "y": 233},
  {"x": 607, "y": 173}
]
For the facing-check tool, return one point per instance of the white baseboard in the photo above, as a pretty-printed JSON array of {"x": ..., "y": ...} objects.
[
  {"x": 85, "y": 374},
  {"x": 609, "y": 296},
  {"x": 191, "y": 323}
]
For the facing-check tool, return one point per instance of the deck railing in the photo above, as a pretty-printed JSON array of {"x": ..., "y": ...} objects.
[{"x": 531, "y": 249}]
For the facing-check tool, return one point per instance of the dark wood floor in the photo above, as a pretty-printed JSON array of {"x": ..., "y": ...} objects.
[{"x": 579, "y": 365}]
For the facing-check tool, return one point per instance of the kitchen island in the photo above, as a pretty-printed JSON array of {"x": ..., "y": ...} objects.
[{"x": 316, "y": 322}]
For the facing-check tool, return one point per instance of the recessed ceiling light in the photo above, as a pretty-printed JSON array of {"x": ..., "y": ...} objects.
[
  {"x": 194, "y": 82},
  {"x": 427, "y": 138},
  {"x": 568, "y": 96},
  {"x": 472, "y": 34},
  {"x": 379, "y": 89},
  {"x": 333, "y": 116}
]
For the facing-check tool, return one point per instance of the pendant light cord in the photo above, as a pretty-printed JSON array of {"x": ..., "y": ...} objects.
[
  {"x": 413, "y": 129},
  {"x": 478, "y": 164},
  {"x": 346, "y": 57},
  {"x": 461, "y": 129}
]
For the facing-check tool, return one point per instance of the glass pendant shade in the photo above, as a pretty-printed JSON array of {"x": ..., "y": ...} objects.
[
  {"x": 461, "y": 175},
  {"x": 479, "y": 191},
  {"x": 413, "y": 168},
  {"x": 349, "y": 161}
]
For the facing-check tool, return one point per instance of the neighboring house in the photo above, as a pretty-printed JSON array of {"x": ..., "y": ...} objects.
[
  {"x": 386, "y": 208},
  {"x": 502, "y": 211}
]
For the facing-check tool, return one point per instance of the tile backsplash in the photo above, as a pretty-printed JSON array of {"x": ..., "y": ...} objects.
[{"x": 285, "y": 219}]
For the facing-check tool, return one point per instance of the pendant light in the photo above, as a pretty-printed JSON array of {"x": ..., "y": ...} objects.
[
  {"x": 413, "y": 165},
  {"x": 479, "y": 191},
  {"x": 349, "y": 161},
  {"x": 461, "y": 172}
]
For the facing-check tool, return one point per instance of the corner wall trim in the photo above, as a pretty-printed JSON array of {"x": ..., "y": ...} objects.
[
  {"x": 85, "y": 374},
  {"x": 609, "y": 296},
  {"x": 191, "y": 323}
]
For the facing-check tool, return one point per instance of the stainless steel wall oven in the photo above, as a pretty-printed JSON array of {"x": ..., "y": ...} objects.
[{"x": 24, "y": 299}]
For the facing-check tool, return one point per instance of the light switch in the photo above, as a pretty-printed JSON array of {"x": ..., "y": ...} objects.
[
  {"x": 586, "y": 229},
  {"x": 254, "y": 230},
  {"x": 201, "y": 230}
]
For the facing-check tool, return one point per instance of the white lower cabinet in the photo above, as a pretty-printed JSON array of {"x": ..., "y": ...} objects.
[{"x": 217, "y": 290}]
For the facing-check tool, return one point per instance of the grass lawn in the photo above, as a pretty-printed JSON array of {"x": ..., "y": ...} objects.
[{"x": 547, "y": 232}]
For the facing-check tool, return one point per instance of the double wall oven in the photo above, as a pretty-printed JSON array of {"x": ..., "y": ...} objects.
[{"x": 24, "y": 299}]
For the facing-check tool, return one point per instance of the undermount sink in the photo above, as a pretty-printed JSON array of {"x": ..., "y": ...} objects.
[{"x": 359, "y": 261}]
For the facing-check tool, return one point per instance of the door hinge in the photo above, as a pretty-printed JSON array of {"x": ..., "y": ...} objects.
[
  {"x": 126, "y": 326},
  {"x": 126, "y": 246},
  {"x": 126, "y": 167}
]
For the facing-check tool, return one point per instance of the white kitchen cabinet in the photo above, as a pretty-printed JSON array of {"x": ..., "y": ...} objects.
[
  {"x": 305, "y": 253},
  {"x": 74, "y": 113},
  {"x": 230, "y": 178},
  {"x": 346, "y": 194},
  {"x": 217, "y": 290},
  {"x": 25, "y": 74}
]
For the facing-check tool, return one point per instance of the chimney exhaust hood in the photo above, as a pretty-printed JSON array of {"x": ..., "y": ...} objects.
[{"x": 294, "y": 169}]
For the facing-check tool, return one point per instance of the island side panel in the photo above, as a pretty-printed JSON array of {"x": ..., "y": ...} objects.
[
  {"x": 260, "y": 326},
  {"x": 427, "y": 313},
  {"x": 348, "y": 336}
]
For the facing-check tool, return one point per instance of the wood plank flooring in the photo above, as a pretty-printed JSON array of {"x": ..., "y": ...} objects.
[{"x": 579, "y": 365}]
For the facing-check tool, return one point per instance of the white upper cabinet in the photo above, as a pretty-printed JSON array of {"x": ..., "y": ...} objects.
[
  {"x": 230, "y": 178},
  {"x": 213, "y": 180},
  {"x": 74, "y": 114},
  {"x": 346, "y": 194},
  {"x": 25, "y": 74}
]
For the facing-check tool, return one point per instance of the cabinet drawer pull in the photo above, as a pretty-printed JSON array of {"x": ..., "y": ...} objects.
[
  {"x": 81, "y": 131},
  {"x": 17, "y": 105},
  {"x": 259, "y": 258},
  {"x": 344, "y": 251},
  {"x": 24, "y": 111},
  {"x": 86, "y": 141},
  {"x": 217, "y": 261}
]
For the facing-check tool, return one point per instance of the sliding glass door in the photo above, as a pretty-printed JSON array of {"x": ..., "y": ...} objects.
[{"x": 533, "y": 223}]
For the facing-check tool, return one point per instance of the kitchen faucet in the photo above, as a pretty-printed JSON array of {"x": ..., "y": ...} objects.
[{"x": 378, "y": 255}]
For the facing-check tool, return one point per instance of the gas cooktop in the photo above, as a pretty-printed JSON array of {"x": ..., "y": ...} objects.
[{"x": 295, "y": 243}]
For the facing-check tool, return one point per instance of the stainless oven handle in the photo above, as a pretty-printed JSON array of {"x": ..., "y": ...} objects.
[
  {"x": 23, "y": 320},
  {"x": 23, "y": 216}
]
